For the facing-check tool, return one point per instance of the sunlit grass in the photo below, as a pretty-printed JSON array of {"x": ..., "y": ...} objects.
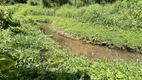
[
  {"x": 110, "y": 35},
  {"x": 39, "y": 57}
]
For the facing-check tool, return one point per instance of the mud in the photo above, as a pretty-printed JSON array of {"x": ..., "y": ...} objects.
[{"x": 78, "y": 48}]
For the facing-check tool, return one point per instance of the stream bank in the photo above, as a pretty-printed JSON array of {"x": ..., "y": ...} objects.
[{"x": 78, "y": 48}]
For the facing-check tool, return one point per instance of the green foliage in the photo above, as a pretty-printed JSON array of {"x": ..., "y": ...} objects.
[
  {"x": 34, "y": 2},
  {"x": 12, "y": 1},
  {"x": 38, "y": 57},
  {"x": 20, "y": 1},
  {"x": 5, "y": 62},
  {"x": 53, "y": 3},
  {"x": 34, "y": 52},
  {"x": 106, "y": 1},
  {"x": 108, "y": 15},
  {"x": 6, "y": 19},
  {"x": 37, "y": 10},
  {"x": 98, "y": 34},
  {"x": 111, "y": 19},
  {"x": 80, "y": 3}
]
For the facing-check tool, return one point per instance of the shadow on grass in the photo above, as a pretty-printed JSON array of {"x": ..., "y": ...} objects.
[{"x": 41, "y": 74}]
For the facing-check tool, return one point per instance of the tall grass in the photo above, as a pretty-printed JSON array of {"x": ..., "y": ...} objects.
[
  {"x": 118, "y": 14},
  {"x": 125, "y": 15}
]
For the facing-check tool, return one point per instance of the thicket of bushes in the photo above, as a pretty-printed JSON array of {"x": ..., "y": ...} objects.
[
  {"x": 54, "y": 3},
  {"x": 80, "y": 3},
  {"x": 27, "y": 54},
  {"x": 6, "y": 60}
]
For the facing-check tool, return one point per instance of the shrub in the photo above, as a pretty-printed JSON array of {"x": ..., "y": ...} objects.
[
  {"x": 52, "y": 3},
  {"x": 12, "y": 1},
  {"x": 34, "y": 2},
  {"x": 6, "y": 19},
  {"x": 20, "y": 1}
]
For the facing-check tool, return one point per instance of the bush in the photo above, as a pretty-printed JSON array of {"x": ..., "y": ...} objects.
[
  {"x": 53, "y": 3},
  {"x": 34, "y": 2},
  {"x": 36, "y": 10},
  {"x": 5, "y": 18},
  {"x": 12, "y": 1},
  {"x": 20, "y": 1}
]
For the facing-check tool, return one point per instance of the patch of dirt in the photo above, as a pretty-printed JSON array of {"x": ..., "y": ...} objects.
[{"x": 77, "y": 48}]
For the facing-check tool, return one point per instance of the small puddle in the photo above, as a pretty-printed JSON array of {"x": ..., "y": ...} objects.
[{"x": 76, "y": 47}]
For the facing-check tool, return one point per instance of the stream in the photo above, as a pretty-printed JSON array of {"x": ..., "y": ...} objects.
[{"x": 78, "y": 48}]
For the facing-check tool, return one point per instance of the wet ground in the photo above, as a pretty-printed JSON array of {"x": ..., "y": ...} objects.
[{"x": 76, "y": 47}]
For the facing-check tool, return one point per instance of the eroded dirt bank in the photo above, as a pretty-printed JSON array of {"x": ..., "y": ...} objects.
[{"x": 90, "y": 51}]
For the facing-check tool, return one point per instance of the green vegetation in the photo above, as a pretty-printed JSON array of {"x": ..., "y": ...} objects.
[
  {"x": 31, "y": 55},
  {"x": 117, "y": 25},
  {"x": 5, "y": 21},
  {"x": 116, "y": 37}
]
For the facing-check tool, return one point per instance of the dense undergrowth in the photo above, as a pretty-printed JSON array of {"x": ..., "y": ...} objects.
[{"x": 38, "y": 57}]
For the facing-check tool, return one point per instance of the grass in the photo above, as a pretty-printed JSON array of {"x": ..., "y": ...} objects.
[
  {"x": 123, "y": 39},
  {"x": 107, "y": 24},
  {"x": 39, "y": 57}
]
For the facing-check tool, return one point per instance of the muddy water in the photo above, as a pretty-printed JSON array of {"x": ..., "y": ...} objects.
[{"x": 76, "y": 47}]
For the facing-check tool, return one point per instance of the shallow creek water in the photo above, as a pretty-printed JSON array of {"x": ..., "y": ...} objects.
[{"x": 77, "y": 48}]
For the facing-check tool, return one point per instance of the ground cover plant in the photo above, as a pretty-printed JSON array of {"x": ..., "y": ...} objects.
[
  {"x": 34, "y": 56},
  {"x": 120, "y": 22}
]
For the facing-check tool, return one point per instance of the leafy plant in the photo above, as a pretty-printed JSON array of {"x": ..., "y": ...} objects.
[
  {"x": 6, "y": 18},
  {"x": 34, "y": 2},
  {"x": 39, "y": 57},
  {"x": 5, "y": 62}
]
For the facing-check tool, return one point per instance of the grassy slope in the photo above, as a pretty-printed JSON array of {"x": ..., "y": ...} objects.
[
  {"x": 130, "y": 40},
  {"x": 114, "y": 25},
  {"x": 109, "y": 26},
  {"x": 39, "y": 57},
  {"x": 124, "y": 39}
]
